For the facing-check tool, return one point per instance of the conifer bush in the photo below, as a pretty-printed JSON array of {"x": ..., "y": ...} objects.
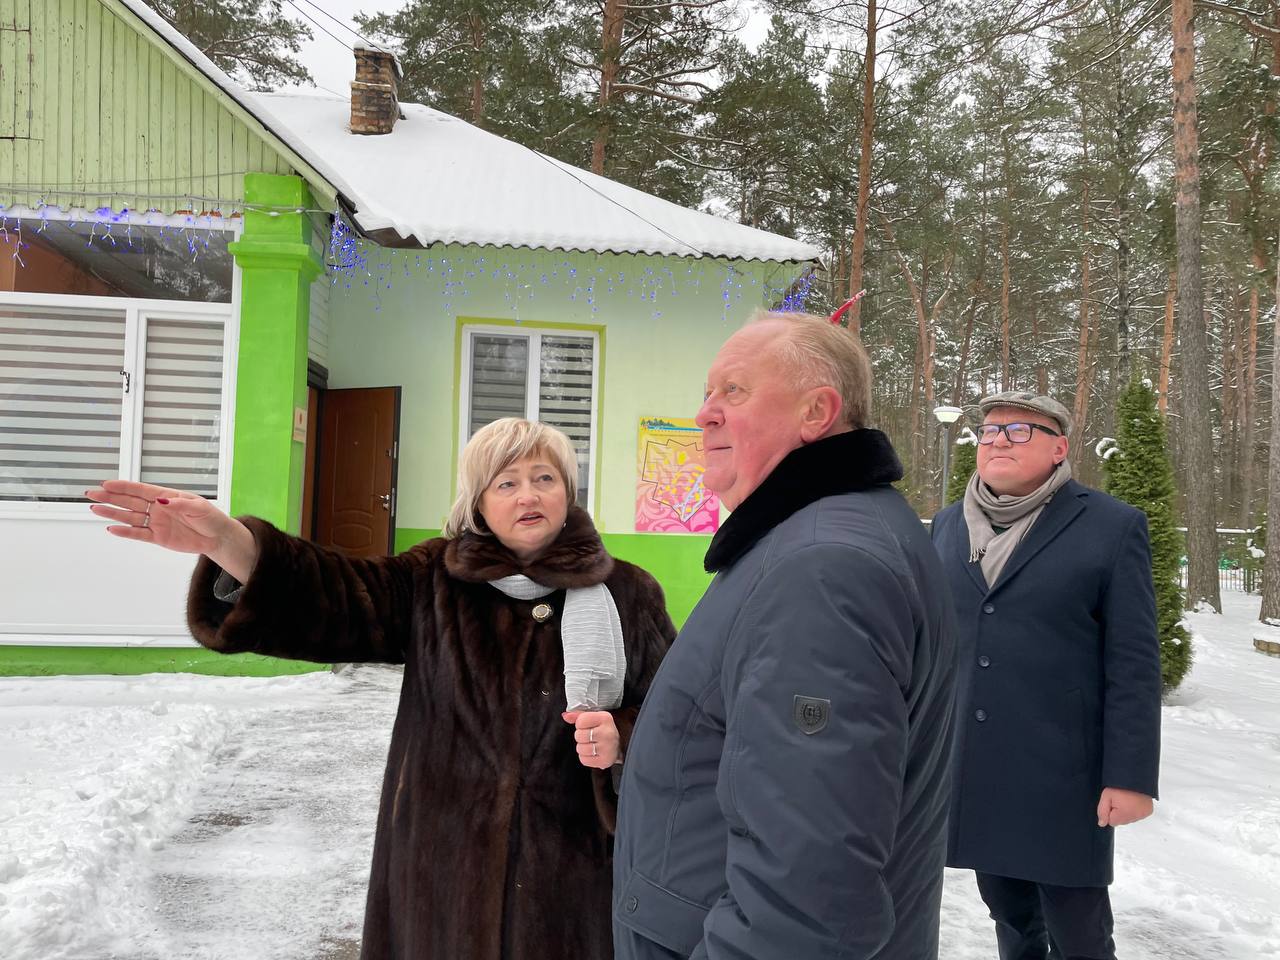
[
  {"x": 964, "y": 460},
  {"x": 1140, "y": 473}
]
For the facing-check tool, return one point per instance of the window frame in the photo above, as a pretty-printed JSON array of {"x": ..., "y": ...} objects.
[
  {"x": 137, "y": 313},
  {"x": 533, "y": 384}
]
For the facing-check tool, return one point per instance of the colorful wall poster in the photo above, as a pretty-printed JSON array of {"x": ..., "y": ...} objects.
[{"x": 670, "y": 495}]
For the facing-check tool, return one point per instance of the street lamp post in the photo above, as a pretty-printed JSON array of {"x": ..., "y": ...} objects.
[{"x": 946, "y": 416}]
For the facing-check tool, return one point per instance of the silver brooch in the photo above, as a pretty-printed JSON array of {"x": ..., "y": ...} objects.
[{"x": 542, "y": 612}]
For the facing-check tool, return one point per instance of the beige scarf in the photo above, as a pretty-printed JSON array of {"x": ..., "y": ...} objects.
[{"x": 984, "y": 510}]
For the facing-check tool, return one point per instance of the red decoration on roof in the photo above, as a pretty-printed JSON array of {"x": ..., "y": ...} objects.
[{"x": 844, "y": 307}]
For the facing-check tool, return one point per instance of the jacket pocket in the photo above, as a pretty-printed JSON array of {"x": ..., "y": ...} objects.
[{"x": 658, "y": 914}]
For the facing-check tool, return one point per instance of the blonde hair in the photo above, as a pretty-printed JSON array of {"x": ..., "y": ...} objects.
[
  {"x": 491, "y": 450},
  {"x": 819, "y": 353}
]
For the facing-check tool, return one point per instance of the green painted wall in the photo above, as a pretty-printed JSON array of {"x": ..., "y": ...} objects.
[
  {"x": 675, "y": 562},
  {"x": 21, "y": 661},
  {"x": 95, "y": 110}
]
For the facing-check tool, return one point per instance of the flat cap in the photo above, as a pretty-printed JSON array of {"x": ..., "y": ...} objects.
[{"x": 1026, "y": 400}]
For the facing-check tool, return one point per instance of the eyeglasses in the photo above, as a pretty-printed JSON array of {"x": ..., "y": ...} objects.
[{"x": 1014, "y": 432}]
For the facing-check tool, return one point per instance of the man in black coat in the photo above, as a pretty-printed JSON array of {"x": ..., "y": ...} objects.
[
  {"x": 785, "y": 790},
  {"x": 1058, "y": 712}
]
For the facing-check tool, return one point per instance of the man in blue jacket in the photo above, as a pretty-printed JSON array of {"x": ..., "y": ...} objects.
[
  {"x": 1058, "y": 714},
  {"x": 785, "y": 790}
]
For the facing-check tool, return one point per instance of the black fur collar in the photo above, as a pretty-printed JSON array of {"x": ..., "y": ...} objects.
[
  {"x": 577, "y": 558},
  {"x": 857, "y": 460}
]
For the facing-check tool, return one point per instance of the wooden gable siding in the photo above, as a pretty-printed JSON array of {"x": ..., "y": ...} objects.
[{"x": 97, "y": 113}]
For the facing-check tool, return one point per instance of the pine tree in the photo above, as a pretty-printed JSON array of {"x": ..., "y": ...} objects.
[
  {"x": 762, "y": 133},
  {"x": 1140, "y": 473},
  {"x": 252, "y": 40},
  {"x": 964, "y": 461}
]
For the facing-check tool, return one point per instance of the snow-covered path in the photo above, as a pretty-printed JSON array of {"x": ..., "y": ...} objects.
[{"x": 191, "y": 818}]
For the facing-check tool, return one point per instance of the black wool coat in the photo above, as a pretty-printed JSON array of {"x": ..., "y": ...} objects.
[
  {"x": 786, "y": 793},
  {"x": 493, "y": 841},
  {"x": 1059, "y": 688}
]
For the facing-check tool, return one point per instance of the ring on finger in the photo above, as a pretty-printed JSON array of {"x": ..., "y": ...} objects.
[
  {"x": 595, "y": 751},
  {"x": 591, "y": 735},
  {"x": 146, "y": 516}
]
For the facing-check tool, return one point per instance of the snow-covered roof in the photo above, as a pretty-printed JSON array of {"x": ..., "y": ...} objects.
[{"x": 438, "y": 179}]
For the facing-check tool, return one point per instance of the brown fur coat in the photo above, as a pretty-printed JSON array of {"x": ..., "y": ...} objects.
[{"x": 493, "y": 841}]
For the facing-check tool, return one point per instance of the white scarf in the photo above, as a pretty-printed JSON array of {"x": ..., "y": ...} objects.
[{"x": 595, "y": 661}]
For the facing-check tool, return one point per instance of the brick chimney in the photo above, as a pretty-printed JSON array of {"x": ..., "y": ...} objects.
[{"x": 374, "y": 107}]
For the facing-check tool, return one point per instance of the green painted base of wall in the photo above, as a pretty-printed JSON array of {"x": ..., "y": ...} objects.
[
  {"x": 674, "y": 560},
  {"x": 23, "y": 661},
  {"x": 407, "y": 537}
]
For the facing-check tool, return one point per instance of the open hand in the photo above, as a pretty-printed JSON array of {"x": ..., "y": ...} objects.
[
  {"x": 176, "y": 520},
  {"x": 599, "y": 744}
]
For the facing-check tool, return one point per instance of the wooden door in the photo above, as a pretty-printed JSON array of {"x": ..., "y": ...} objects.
[
  {"x": 308, "y": 528},
  {"x": 356, "y": 478}
]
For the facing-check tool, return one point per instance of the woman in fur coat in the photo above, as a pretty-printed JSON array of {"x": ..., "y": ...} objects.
[{"x": 526, "y": 649}]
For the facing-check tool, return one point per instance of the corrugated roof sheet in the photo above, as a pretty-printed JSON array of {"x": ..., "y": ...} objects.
[{"x": 436, "y": 178}]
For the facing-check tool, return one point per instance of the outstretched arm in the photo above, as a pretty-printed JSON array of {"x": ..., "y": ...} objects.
[{"x": 299, "y": 601}]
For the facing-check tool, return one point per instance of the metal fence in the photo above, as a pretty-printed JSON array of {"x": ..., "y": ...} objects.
[
  {"x": 1239, "y": 563},
  {"x": 1237, "y": 579}
]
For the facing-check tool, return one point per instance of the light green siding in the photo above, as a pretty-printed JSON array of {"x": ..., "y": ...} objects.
[
  {"x": 96, "y": 110},
  {"x": 655, "y": 357}
]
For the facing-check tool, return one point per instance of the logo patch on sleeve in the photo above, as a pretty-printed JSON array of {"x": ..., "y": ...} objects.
[{"x": 810, "y": 714}]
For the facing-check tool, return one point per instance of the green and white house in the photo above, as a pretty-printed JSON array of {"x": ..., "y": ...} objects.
[{"x": 185, "y": 267}]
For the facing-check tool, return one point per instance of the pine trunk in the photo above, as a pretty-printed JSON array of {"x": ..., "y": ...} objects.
[
  {"x": 1230, "y": 402},
  {"x": 1249, "y": 441},
  {"x": 1080, "y": 409},
  {"x": 610, "y": 51},
  {"x": 477, "y": 77},
  {"x": 957, "y": 395},
  {"x": 1198, "y": 479},
  {"x": 864, "y": 169},
  {"x": 1166, "y": 348},
  {"x": 1042, "y": 371},
  {"x": 979, "y": 289},
  {"x": 1006, "y": 379},
  {"x": 1006, "y": 373},
  {"x": 1271, "y": 563}
]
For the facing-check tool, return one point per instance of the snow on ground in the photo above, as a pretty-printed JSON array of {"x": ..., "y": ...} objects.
[
  {"x": 193, "y": 818},
  {"x": 185, "y": 818}
]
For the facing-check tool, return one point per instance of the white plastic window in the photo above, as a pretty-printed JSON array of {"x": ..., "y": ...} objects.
[{"x": 546, "y": 375}]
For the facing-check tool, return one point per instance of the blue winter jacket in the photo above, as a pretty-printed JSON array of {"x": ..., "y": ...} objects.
[{"x": 784, "y": 793}]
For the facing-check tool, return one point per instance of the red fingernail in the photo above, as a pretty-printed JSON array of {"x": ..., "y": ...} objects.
[{"x": 162, "y": 501}]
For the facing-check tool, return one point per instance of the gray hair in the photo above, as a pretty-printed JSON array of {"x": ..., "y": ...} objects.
[
  {"x": 819, "y": 353},
  {"x": 491, "y": 450}
]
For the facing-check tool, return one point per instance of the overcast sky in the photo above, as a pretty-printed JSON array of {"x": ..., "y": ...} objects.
[{"x": 331, "y": 63}]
